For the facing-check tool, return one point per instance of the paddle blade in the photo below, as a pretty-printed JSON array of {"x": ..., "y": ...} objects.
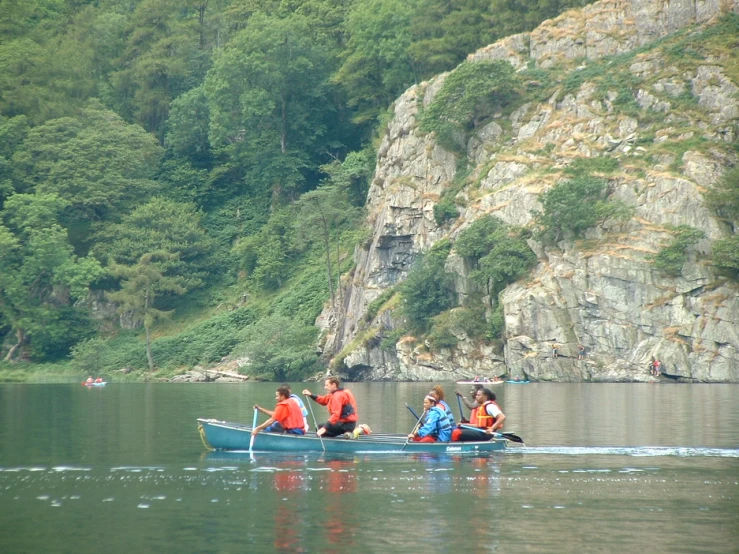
[{"x": 512, "y": 437}]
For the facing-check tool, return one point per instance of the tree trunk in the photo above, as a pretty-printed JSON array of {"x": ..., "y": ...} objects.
[
  {"x": 327, "y": 246},
  {"x": 20, "y": 335},
  {"x": 148, "y": 348},
  {"x": 148, "y": 333}
]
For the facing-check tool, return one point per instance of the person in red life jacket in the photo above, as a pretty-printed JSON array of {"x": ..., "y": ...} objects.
[
  {"x": 470, "y": 405},
  {"x": 342, "y": 409},
  {"x": 286, "y": 417},
  {"x": 487, "y": 417},
  {"x": 434, "y": 424}
]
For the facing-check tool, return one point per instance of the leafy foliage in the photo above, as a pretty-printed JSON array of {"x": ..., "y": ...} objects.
[
  {"x": 501, "y": 255},
  {"x": 278, "y": 348},
  {"x": 427, "y": 291},
  {"x": 41, "y": 277},
  {"x": 272, "y": 120},
  {"x": 448, "y": 327},
  {"x": 725, "y": 256},
  {"x": 724, "y": 197},
  {"x": 96, "y": 162},
  {"x": 472, "y": 92},
  {"x": 161, "y": 225},
  {"x": 674, "y": 254},
  {"x": 573, "y": 206}
]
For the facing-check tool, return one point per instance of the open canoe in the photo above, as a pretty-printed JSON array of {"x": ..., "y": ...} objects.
[
  {"x": 225, "y": 435},
  {"x": 100, "y": 384},
  {"x": 518, "y": 382}
]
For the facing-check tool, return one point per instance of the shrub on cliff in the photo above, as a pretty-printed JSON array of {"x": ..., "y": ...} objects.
[
  {"x": 428, "y": 289},
  {"x": 470, "y": 94},
  {"x": 573, "y": 206}
]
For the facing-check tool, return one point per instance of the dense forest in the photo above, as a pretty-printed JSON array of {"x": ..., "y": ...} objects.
[{"x": 184, "y": 180}]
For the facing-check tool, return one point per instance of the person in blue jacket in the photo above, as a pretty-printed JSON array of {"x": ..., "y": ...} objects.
[{"x": 434, "y": 425}]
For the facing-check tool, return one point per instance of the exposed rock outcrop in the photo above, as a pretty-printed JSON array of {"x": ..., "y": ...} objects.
[{"x": 668, "y": 121}]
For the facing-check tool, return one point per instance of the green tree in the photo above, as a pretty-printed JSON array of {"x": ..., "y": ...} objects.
[
  {"x": 515, "y": 16},
  {"x": 13, "y": 132},
  {"x": 499, "y": 254},
  {"x": 674, "y": 252},
  {"x": 40, "y": 277},
  {"x": 574, "y": 206},
  {"x": 725, "y": 256},
  {"x": 279, "y": 348},
  {"x": 427, "y": 291},
  {"x": 724, "y": 197},
  {"x": 140, "y": 285},
  {"x": 445, "y": 31},
  {"x": 268, "y": 100},
  {"x": 320, "y": 215},
  {"x": 164, "y": 57},
  {"x": 471, "y": 93},
  {"x": 267, "y": 256},
  {"x": 376, "y": 67},
  {"x": 97, "y": 163},
  {"x": 161, "y": 225}
]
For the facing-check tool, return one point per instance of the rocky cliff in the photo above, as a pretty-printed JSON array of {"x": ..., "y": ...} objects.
[{"x": 673, "y": 138}]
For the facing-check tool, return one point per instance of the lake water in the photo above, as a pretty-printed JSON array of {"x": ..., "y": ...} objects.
[{"x": 606, "y": 468}]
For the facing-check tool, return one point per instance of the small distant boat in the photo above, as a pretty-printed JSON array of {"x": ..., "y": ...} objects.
[
  {"x": 94, "y": 384},
  {"x": 518, "y": 382},
  {"x": 483, "y": 383},
  {"x": 225, "y": 435}
]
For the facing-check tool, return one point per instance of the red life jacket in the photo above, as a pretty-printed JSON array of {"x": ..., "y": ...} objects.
[
  {"x": 348, "y": 406},
  {"x": 481, "y": 418},
  {"x": 294, "y": 415}
]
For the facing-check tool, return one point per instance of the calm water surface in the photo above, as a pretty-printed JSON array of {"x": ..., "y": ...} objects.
[{"x": 606, "y": 468}]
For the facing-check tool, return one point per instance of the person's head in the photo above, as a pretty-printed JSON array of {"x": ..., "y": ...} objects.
[
  {"x": 287, "y": 386},
  {"x": 429, "y": 402},
  {"x": 474, "y": 389},
  {"x": 437, "y": 392},
  {"x": 484, "y": 395},
  {"x": 331, "y": 384},
  {"x": 282, "y": 393}
]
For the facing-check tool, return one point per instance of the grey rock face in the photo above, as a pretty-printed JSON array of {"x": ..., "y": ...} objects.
[{"x": 603, "y": 291}]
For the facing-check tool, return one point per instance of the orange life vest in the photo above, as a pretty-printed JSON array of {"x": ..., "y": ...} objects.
[
  {"x": 294, "y": 415},
  {"x": 481, "y": 418}
]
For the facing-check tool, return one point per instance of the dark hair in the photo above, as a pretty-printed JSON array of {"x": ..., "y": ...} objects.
[
  {"x": 487, "y": 392},
  {"x": 287, "y": 386},
  {"x": 284, "y": 391},
  {"x": 335, "y": 380}
]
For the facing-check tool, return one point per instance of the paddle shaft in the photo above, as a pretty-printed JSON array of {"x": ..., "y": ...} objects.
[
  {"x": 310, "y": 407},
  {"x": 253, "y": 426},
  {"x": 508, "y": 436},
  {"x": 461, "y": 411},
  {"x": 416, "y": 426},
  {"x": 413, "y": 412}
]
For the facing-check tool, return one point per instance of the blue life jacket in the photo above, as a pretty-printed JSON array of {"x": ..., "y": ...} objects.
[
  {"x": 303, "y": 409},
  {"x": 436, "y": 423},
  {"x": 448, "y": 411}
]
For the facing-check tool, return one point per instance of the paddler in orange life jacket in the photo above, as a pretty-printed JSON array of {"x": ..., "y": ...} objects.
[
  {"x": 286, "y": 417},
  {"x": 342, "y": 409},
  {"x": 487, "y": 416}
]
